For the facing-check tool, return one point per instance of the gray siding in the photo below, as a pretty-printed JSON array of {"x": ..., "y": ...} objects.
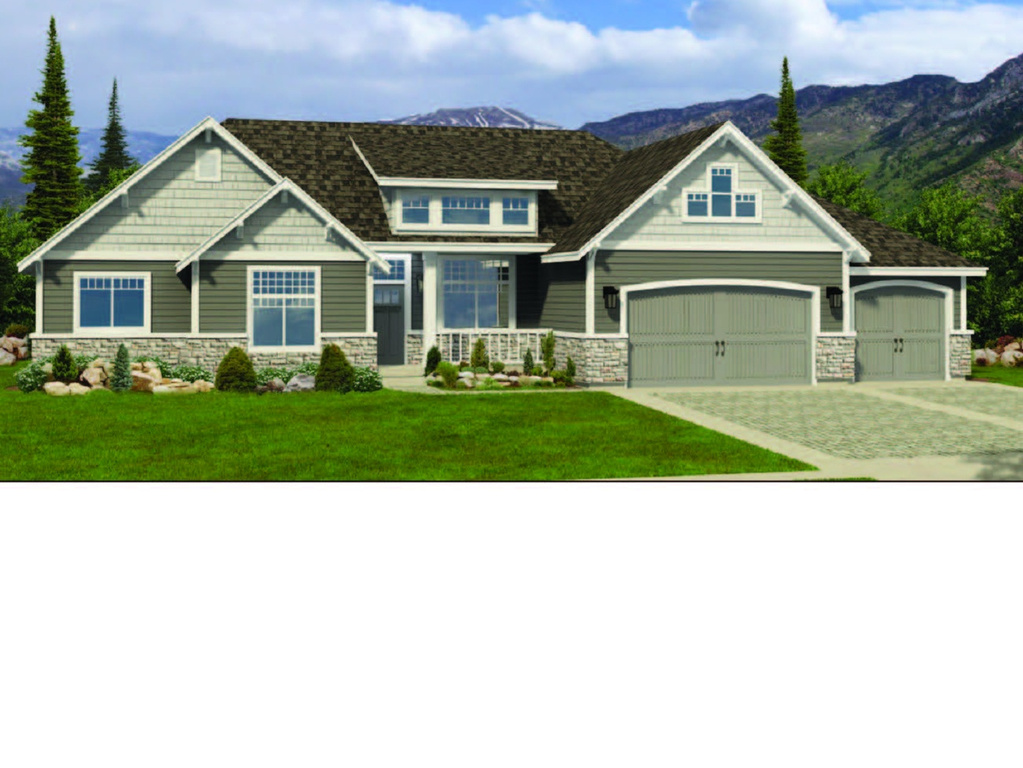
[
  {"x": 947, "y": 282},
  {"x": 222, "y": 295},
  {"x": 562, "y": 293},
  {"x": 621, "y": 268},
  {"x": 417, "y": 293},
  {"x": 171, "y": 296}
]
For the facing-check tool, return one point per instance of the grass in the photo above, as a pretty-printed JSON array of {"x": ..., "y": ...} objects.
[
  {"x": 999, "y": 374},
  {"x": 385, "y": 435}
]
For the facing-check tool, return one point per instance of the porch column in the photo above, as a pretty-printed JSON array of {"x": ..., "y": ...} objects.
[{"x": 429, "y": 300}]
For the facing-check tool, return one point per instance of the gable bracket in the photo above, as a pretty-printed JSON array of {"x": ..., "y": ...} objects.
[
  {"x": 787, "y": 198},
  {"x": 124, "y": 200},
  {"x": 208, "y": 134},
  {"x": 239, "y": 231},
  {"x": 284, "y": 197}
]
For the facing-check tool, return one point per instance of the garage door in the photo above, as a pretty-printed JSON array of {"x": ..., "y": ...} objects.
[
  {"x": 899, "y": 334},
  {"x": 711, "y": 335}
]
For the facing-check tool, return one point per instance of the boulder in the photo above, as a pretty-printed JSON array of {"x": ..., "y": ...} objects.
[
  {"x": 501, "y": 377},
  {"x": 98, "y": 363},
  {"x": 989, "y": 356},
  {"x": 184, "y": 388},
  {"x": 78, "y": 389},
  {"x": 94, "y": 377},
  {"x": 12, "y": 344},
  {"x": 1010, "y": 358},
  {"x": 301, "y": 382},
  {"x": 136, "y": 367},
  {"x": 174, "y": 381},
  {"x": 202, "y": 386},
  {"x": 1012, "y": 346},
  {"x": 142, "y": 382},
  {"x": 277, "y": 385},
  {"x": 6, "y": 358},
  {"x": 466, "y": 374},
  {"x": 56, "y": 388}
]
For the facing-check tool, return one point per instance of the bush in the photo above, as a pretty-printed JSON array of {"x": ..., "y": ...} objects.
[
  {"x": 366, "y": 380},
  {"x": 560, "y": 376},
  {"x": 527, "y": 362},
  {"x": 17, "y": 329},
  {"x": 64, "y": 367},
  {"x": 537, "y": 371},
  {"x": 463, "y": 365},
  {"x": 265, "y": 375},
  {"x": 190, "y": 373},
  {"x": 489, "y": 384},
  {"x": 479, "y": 358},
  {"x": 570, "y": 370},
  {"x": 433, "y": 359},
  {"x": 165, "y": 368},
  {"x": 497, "y": 366},
  {"x": 989, "y": 344},
  {"x": 547, "y": 350},
  {"x": 449, "y": 373},
  {"x": 120, "y": 379},
  {"x": 461, "y": 384},
  {"x": 307, "y": 368},
  {"x": 235, "y": 372},
  {"x": 335, "y": 373},
  {"x": 31, "y": 377}
]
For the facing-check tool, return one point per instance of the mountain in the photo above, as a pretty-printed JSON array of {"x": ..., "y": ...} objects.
[{"x": 475, "y": 117}]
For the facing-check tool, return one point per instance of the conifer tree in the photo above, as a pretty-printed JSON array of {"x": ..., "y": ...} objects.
[
  {"x": 114, "y": 154},
  {"x": 51, "y": 163},
  {"x": 785, "y": 147}
]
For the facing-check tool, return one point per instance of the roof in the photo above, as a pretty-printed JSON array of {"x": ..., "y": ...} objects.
[
  {"x": 890, "y": 247},
  {"x": 321, "y": 159},
  {"x": 634, "y": 173}
]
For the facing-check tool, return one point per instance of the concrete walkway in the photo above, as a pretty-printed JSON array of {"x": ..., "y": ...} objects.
[{"x": 408, "y": 378}]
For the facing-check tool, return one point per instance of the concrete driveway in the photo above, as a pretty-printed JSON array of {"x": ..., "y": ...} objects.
[{"x": 896, "y": 431}]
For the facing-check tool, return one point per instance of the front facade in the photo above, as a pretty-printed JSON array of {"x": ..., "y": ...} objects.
[{"x": 692, "y": 261}]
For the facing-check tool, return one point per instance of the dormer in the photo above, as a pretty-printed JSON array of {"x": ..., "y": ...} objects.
[{"x": 459, "y": 206}]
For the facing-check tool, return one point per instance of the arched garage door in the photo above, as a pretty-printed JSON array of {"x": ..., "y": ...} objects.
[
  {"x": 719, "y": 334},
  {"x": 900, "y": 331}
]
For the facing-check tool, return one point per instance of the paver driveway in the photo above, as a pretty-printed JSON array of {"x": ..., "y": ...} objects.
[{"x": 864, "y": 422}]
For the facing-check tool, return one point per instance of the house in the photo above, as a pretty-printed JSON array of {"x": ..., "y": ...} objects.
[{"x": 694, "y": 260}]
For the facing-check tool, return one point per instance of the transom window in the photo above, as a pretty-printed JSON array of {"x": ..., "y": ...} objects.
[
  {"x": 465, "y": 210},
  {"x": 415, "y": 210},
  {"x": 283, "y": 307},
  {"x": 397, "y": 272},
  {"x": 724, "y": 201},
  {"x": 516, "y": 210},
  {"x": 112, "y": 301},
  {"x": 476, "y": 293}
]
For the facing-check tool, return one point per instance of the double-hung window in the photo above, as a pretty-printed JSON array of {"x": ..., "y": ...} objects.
[
  {"x": 476, "y": 293},
  {"x": 284, "y": 307},
  {"x": 111, "y": 303},
  {"x": 465, "y": 210}
]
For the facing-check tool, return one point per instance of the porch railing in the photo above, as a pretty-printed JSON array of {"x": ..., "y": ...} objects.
[{"x": 506, "y": 346}]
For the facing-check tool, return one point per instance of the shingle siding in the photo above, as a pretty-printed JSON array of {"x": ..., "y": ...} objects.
[{"x": 279, "y": 226}]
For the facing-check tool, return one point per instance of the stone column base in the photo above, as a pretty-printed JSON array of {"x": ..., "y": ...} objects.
[
  {"x": 836, "y": 358},
  {"x": 959, "y": 355}
]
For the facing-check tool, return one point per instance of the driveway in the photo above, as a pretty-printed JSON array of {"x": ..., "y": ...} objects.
[{"x": 929, "y": 430}]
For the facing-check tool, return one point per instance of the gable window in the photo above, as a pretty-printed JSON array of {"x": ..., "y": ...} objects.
[
  {"x": 516, "y": 210},
  {"x": 465, "y": 210},
  {"x": 283, "y": 304},
  {"x": 415, "y": 210},
  {"x": 397, "y": 272},
  {"x": 696, "y": 204},
  {"x": 722, "y": 199},
  {"x": 476, "y": 293},
  {"x": 207, "y": 164},
  {"x": 116, "y": 303},
  {"x": 721, "y": 191}
]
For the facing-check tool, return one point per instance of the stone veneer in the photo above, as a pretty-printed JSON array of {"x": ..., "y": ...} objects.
[
  {"x": 836, "y": 358},
  {"x": 959, "y": 355},
  {"x": 207, "y": 352},
  {"x": 414, "y": 348},
  {"x": 597, "y": 360}
]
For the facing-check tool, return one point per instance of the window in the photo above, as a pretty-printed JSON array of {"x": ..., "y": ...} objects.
[
  {"x": 415, "y": 210},
  {"x": 516, "y": 210},
  {"x": 397, "y": 271},
  {"x": 697, "y": 204},
  {"x": 284, "y": 311},
  {"x": 112, "y": 302},
  {"x": 465, "y": 210},
  {"x": 723, "y": 200},
  {"x": 721, "y": 191},
  {"x": 207, "y": 164},
  {"x": 745, "y": 205},
  {"x": 476, "y": 293}
]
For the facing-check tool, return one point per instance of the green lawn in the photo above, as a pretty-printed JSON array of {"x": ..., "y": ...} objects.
[
  {"x": 384, "y": 435},
  {"x": 998, "y": 374}
]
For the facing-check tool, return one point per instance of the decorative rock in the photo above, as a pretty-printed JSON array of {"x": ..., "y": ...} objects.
[
  {"x": 184, "y": 388},
  {"x": 94, "y": 377},
  {"x": 12, "y": 344},
  {"x": 202, "y": 386},
  {"x": 547, "y": 378},
  {"x": 1012, "y": 346},
  {"x": 98, "y": 363},
  {"x": 301, "y": 382},
  {"x": 136, "y": 367},
  {"x": 48, "y": 369},
  {"x": 78, "y": 389},
  {"x": 142, "y": 382},
  {"x": 1011, "y": 357},
  {"x": 56, "y": 388},
  {"x": 6, "y": 358},
  {"x": 501, "y": 377},
  {"x": 174, "y": 381},
  {"x": 466, "y": 374},
  {"x": 277, "y": 385},
  {"x": 989, "y": 355}
]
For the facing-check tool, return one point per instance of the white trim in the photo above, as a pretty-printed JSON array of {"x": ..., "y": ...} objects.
[
  {"x": 364, "y": 160},
  {"x": 759, "y": 245},
  {"x": 591, "y": 321},
  {"x": 557, "y": 258},
  {"x": 439, "y": 318},
  {"x": 39, "y": 299},
  {"x": 112, "y": 332},
  {"x": 813, "y": 291},
  {"x": 319, "y": 256},
  {"x": 456, "y": 247},
  {"x": 92, "y": 255},
  {"x": 502, "y": 184},
  {"x": 435, "y": 224},
  {"x": 846, "y": 296},
  {"x": 430, "y": 288},
  {"x": 707, "y": 190},
  {"x": 513, "y": 295},
  {"x": 195, "y": 297},
  {"x": 836, "y": 335},
  {"x": 406, "y": 284},
  {"x": 317, "y": 344},
  {"x": 135, "y": 178},
  {"x": 918, "y": 271},
  {"x": 934, "y": 287},
  {"x": 370, "y": 325},
  {"x": 962, "y": 303},
  {"x": 577, "y": 335}
]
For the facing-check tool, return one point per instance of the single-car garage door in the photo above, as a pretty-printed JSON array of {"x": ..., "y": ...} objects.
[
  {"x": 709, "y": 335},
  {"x": 900, "y": 333}
]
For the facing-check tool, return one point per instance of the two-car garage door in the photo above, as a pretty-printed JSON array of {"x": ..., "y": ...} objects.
[{"x": 719, "y": 334}]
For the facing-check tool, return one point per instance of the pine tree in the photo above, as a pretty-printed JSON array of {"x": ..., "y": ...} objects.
[
  {"x": 114, "y": 154},
  {"x": 786, "y": 147},
  {"x": 51, "y": 163}
]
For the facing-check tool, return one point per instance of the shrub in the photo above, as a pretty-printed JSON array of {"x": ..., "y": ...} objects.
[
  {"x": 527, "y": 362},
  {"x": 335, "y": 373},
  {"x": 366, "y": 380},
  {"x": 461, "y": 384},
  {"x": 462, "y": 365},
  {"x": 165, "y": 368},
  {"x": 120, "y": 380},
  {"x": 17, "y": 329},
  {"x": 537, "y": 371},
  {"x": 547, "y": 350},
  {"x": 433, "y": 359},
  {"x": 989, "y": 344},
  {"x": 489, "y": 384},
  {"x": 190, "y": 373},
  {"x": 449, "y": 373},
  {"x": 560, "y": 376},
  {"x": 570, "y": 370},
  {"x": 64, "y": 367},
  {"x": 235, "y": 372},
  {"x": 309, "y": 368},
  {"x": 265, "y": 375},
  {"x": 497, "y": 366},
  {"x": 479, "y": 357},
  {"x": 31, "y": 377}
]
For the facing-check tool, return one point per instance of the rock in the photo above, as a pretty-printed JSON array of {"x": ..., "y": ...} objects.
[
  {"x": 466, "y": 374},
  {"x": 78, "y": 389},
  {"x": 301, "y": 382},
  {"x": 6, "y": 358},
  {"x": 501, "y": 377},
  {"x": 142, "y": 382},
  {"x": 184, "y": 388},
  {"x": 277, "y": 385},
  {"x": 94, "y": 377},
  {"x": 989, "y": 356},
  {"x": 547, "y": 378},
  {"x": 174, "y": 381},
  {"x": 261, "y": 389},
  {"x": 12, "y": 344},
  {"x": 136, "y": 367},
  {"x": 48, "y": 369},
  {"x": 98, "y": 363},
  {"x": 1011, "y": 357},
  {"x": 1012, "y": 346},
  {"x": 56, "y": 388},
  {"x": 202, "y": 386}
]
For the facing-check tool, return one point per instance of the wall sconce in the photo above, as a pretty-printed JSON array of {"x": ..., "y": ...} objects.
[
  {"x": 834, "y": 294},
  {"x": 419, "y": 283},
  {"x": 610, "y": 297}
]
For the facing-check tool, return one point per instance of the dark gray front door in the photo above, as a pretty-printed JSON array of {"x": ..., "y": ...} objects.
[
  {"x": 900, "y": 334},
  {"x": 389, "y": 322}
]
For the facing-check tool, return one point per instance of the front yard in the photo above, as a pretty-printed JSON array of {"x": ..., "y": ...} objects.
[
  {"x": 999, "y": 374},
  {"x": 385, "y": 435}
]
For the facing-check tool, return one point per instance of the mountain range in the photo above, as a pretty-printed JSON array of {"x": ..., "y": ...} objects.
[{"x": 477, "y": 117}]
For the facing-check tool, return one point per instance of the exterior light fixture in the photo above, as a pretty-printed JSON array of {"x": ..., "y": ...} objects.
[
  {"x": 834, "y": 294},
  {"x": 610, "y": 297}
]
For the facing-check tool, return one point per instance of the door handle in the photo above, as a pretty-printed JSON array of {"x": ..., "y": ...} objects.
[
  {"x": 717, "y": 348},
  {"x": 902, "y": 345},
  {"x": 722, "y": 348},
  {"x": 895, "y": 347}
]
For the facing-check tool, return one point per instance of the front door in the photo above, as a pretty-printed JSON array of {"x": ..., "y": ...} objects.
[{"x": 389, "y": 322}]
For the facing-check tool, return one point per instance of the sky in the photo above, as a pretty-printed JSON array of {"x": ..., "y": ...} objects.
[{"x": 565, "y": 61}]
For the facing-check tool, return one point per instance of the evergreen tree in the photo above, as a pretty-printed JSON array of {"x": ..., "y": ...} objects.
[
  {"x": 785, "y": 147},
  {"x": 843, "y": 185},
  {"x": 17, "y": 291},
  {"x": 51, "y": 163},
  {"x": 114, "y": 154}
]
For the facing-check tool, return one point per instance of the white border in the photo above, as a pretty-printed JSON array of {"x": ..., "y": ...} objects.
[
  {"x": 962, "y": 303},
  {"x": 435, "y": 212},
  {"x": 113, "y": 332},
  {"x": 918, "y": 271},
  {"x": 710, "y": 218},
  {"x": 248, "y": 308},
  {"x": 439, "y": 293},
  {"x": 934, "y": 287},
  {"x": 759, "y": 245},
  {"x": 39, "y": 299},
  {"x": 402, "y": 246},
  {"x": 407, "y": 285}
]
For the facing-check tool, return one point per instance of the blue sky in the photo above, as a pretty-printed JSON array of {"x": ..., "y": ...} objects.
[{"x": 566, "y": 61}]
